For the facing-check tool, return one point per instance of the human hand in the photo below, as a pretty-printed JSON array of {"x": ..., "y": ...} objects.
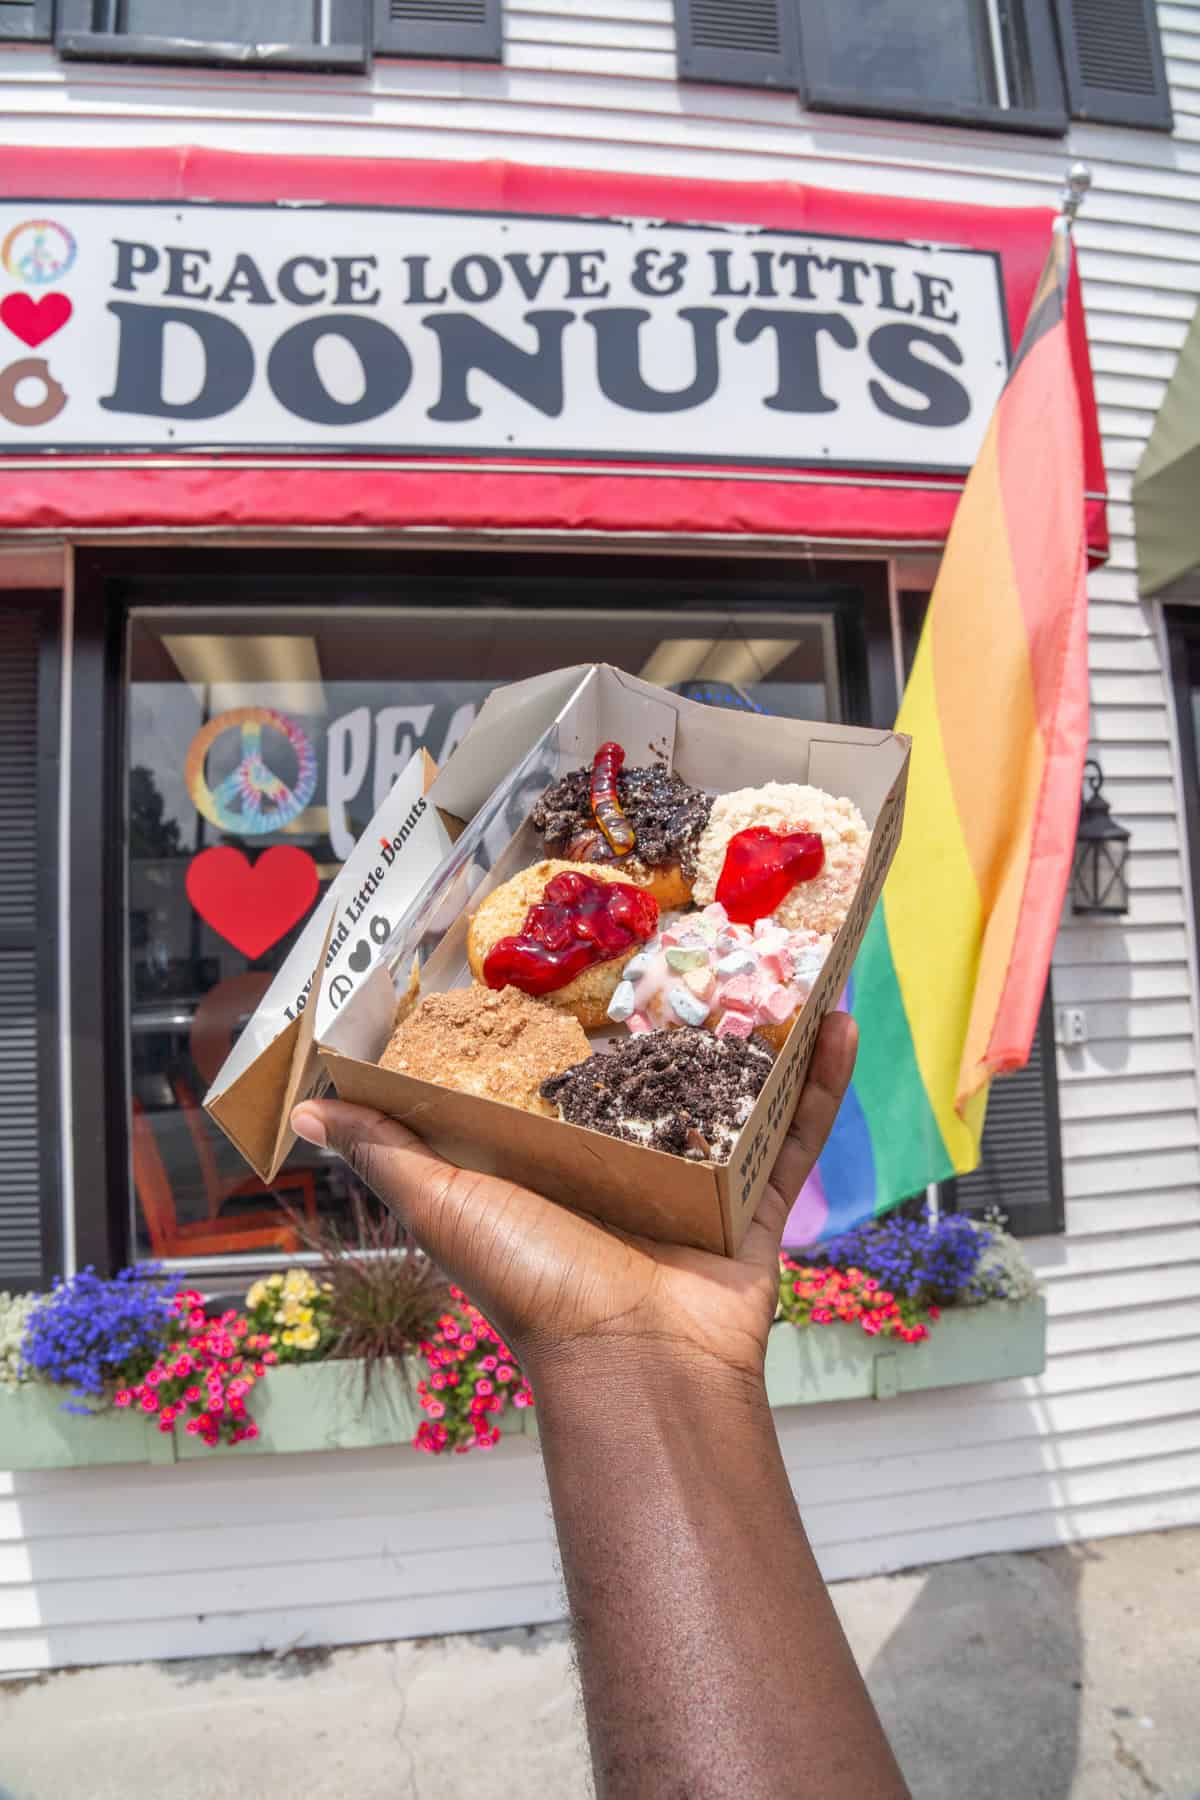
[{"x": 549, "y": 1278}]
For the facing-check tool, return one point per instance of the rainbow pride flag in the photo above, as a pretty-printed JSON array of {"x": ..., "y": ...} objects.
[{"x": 948, "y": 984}]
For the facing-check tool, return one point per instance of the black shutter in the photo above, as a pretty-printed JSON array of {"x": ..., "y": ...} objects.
[
  {"x": 745, "y": 43},
  {"x": 28, "y": 1112},
  {"x": 1113, "y": 62},
  {"x": 462, "y": 30},
  {"x": 1021, "y": 1168},
  {"x": 26, "y": 19}
]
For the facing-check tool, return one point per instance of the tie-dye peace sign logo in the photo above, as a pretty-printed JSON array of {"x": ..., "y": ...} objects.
[{"x": 252, "y": 799}]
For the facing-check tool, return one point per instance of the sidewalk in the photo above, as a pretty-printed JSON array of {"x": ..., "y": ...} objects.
[{"x": 1069, "y": 1674}]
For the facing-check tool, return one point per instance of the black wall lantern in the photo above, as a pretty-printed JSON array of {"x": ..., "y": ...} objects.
[{"x": 1098, "y": 881}]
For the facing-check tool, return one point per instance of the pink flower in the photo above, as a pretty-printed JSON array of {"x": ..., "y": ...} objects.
[
  {"x": 191, "y": 1394},
  {"x": 504, "y": 1372},
  {"x": 150, "y": 1402},
  {"x": 192, "y": 1427},
  {"x": 488, "y": 1363},
  {"x": 870, "y": 1324},
  {"x": 437, "y": 1381},
  {"x": 469, "y": 1341},
  {"x": 435, "y": 1409},
  {"x": 153, "y": 1378},
  {"x": 122, "y": 1397},
  {"x": 483, "y": 1387}
]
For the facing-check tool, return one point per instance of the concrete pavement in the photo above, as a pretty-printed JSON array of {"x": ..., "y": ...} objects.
[{"x": 1067, "y": 1674}]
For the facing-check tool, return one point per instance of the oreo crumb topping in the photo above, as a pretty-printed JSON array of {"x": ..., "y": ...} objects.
[
  {"x": 667, "y": 815},
  {"x": 686, "y": 1092}
]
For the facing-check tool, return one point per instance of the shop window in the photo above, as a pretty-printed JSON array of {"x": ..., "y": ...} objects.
[
  {"x": 29, "y": 1112},
  {"x": 256, "y": 727},
  {"x": 973, "y": 62},
  {"x": 314, "y": 34}
]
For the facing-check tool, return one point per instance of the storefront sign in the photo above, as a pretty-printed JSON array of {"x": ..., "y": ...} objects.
[{"x": 314, "y": 326}]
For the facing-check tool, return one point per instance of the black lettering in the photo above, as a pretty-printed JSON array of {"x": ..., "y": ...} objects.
[
  {"x": 133, "y": 260},
  {"x": 490, "y": 278},
  {"x": 289, "y": 285},
  {"x": 353, "y": 274},
  {"x": 649, "y": 278},
  {"x": 618, "y": 358},
  {"x": 723, "y": 287},
  {"x": 887, "y": 290},
  {"x": 762, "y": 260},
  {"x": 797, "y": 337},
  {"x": 935, "y": 292},
  {"x": 585, "y": 276},
  {"x": 418, "y": 293},
  {"x": 296, "y": 383},
  {"x": 891, "y": 349},
  {"x": 849, "y": 270},
  {"x": 468, "y": 344},
  {"x": 138, "y": 388},
  {"x": 803, "y": 262},
  {"x": 244, "y": 278},
  {"x": 530, "y": 280},
  {"x": 184, "y": 269}
]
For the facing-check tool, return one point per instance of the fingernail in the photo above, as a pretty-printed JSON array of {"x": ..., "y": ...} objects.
[{"x": 308, "y": 1125}]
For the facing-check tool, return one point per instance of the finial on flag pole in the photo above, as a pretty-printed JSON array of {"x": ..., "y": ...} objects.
[{"x": 1075, "y": 188}]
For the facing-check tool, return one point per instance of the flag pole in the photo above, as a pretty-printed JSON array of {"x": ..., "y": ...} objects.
[{"x": 1075, "y": 190}]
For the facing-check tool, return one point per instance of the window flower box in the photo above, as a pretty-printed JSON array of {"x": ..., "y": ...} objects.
[
  {"x": 318, "y": 1406},
  {"x": 994, "y": 1342}
]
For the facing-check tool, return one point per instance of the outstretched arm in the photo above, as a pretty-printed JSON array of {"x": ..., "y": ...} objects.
[{"x": 711, "y": 1659}]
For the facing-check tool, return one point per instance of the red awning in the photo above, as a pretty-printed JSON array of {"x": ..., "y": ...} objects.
[{"x": 95, "y": 490}]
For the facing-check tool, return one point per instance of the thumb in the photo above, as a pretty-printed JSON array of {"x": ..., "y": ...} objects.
[{"x": 386, "y": 1156}]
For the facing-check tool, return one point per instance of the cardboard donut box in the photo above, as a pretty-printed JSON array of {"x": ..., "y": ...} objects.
[{"x": 395, "y": 922}]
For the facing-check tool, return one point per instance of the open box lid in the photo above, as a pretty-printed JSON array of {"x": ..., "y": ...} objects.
[{"x": 526, "y": 735}]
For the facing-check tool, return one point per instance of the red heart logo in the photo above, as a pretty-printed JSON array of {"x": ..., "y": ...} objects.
[
  {"x": 33, "y": 321},
  {"x": 252, "y": 905}
]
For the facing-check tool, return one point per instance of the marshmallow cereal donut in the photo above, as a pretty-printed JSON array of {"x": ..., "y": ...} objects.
[
  {"x": 562, "y": 932},
  {"x": 736, "y": 980},
  {"x": 765, "y": 840}
]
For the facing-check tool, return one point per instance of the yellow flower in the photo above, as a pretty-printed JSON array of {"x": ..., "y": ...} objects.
[
  {"x": 308, "y": 1339},
  {"x": 257, "y": 1295},
  {"x": 298, "y": 1284},
  {"x": 289, "y": 1337},
  {"x": 292, "y": 1313},
  {"x": 306, "y": 1315},
  {"x": 274, "y": 1281},
  {"x": 327, "y": 1287},
  {"x": 281, "y": 1318}
]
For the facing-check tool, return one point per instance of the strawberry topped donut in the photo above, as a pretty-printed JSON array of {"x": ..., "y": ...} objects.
[{"x": 790, "y": 853}]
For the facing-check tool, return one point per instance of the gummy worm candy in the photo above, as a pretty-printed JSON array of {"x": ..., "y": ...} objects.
[{"x": 606, "y": 808}]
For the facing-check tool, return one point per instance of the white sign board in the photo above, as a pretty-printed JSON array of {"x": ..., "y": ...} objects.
[{"x": 178, "y": 325}]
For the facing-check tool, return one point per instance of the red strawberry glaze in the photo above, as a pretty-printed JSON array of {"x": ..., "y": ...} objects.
[
  {"x": 762, "y": 867},
  {"x": 578, "y": 922}
]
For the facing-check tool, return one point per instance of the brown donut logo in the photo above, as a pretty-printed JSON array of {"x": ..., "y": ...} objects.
[{"x": 17, "y": 412}]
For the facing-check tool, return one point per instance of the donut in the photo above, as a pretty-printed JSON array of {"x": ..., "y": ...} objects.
[
  {"x": 502, "y": 919},
  {"x": 499, "y": 1046},
  {"x": 792, "y": 853},
  {"x": 665, "y": 818},
  {"x": 686, "y": 1092},
  {"x": 736, "y": 980}
]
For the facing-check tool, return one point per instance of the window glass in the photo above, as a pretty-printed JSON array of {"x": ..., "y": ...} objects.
[
  {"x": 266, "y": 728},
  {"x": 932, "y": 49}
]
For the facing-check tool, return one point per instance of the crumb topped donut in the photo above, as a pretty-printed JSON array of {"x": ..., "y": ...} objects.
[
  {"x": 505, "y": 914},
  {"x": 665, "y": 815},
  {"x": 686, "y": 1092},
  {"x": 499, "y": 1046},
  {"x": 817, "y": 904}
]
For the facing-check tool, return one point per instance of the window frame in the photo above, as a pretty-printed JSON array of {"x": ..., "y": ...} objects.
[
  {"x": 39, "y": 15},
  {"x": 75, "y": 39},
  {"x": 1048, "y": 118},
  {"x": 109, "y": 583}
]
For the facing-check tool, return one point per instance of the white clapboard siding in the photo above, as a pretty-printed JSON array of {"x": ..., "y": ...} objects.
[{"x": 228, "y": 1555}]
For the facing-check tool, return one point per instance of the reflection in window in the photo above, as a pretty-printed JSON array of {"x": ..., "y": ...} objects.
[{"x": 254, "y": 730}]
